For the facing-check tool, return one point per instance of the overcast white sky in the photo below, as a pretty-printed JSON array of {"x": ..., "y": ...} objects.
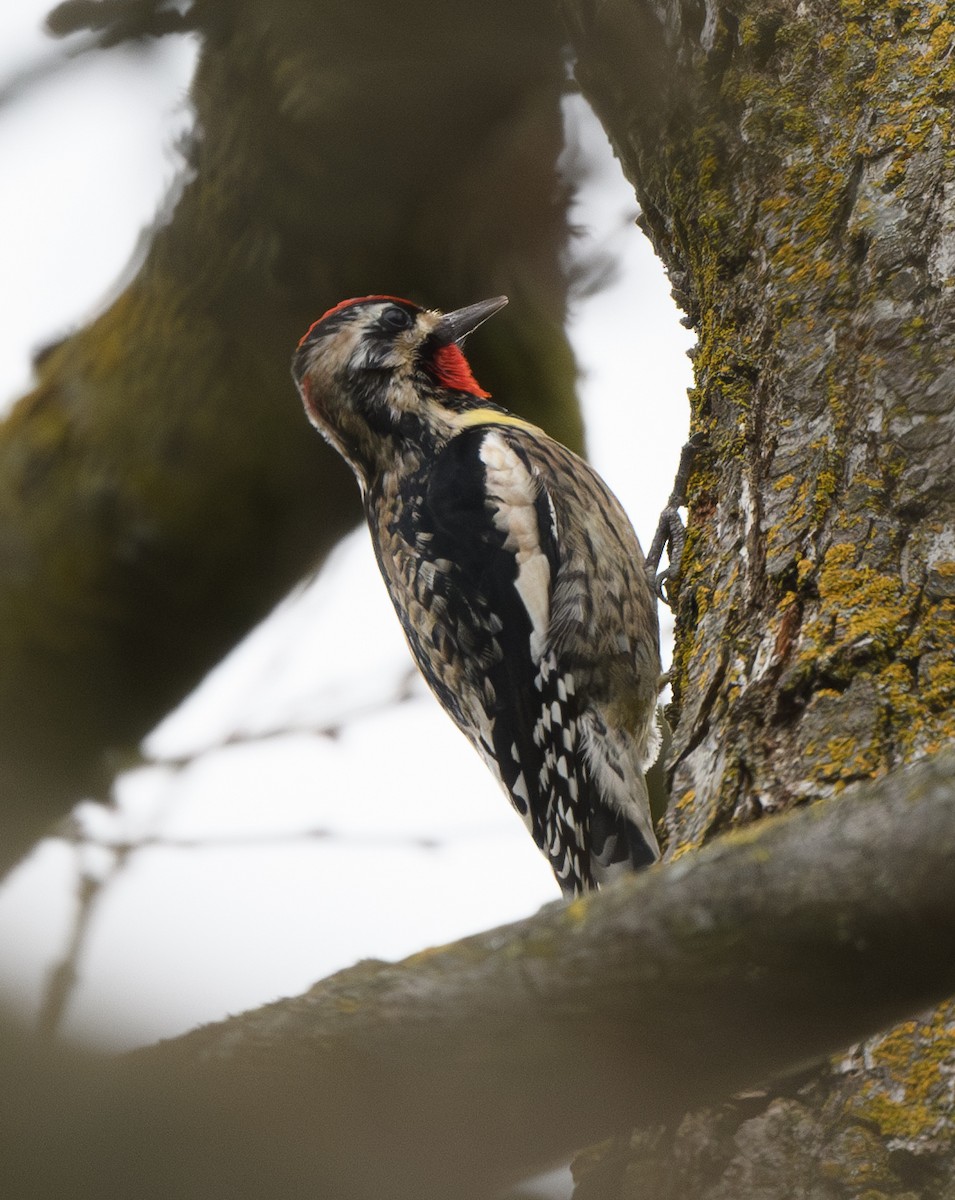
[{"x": 273, "y": 863}]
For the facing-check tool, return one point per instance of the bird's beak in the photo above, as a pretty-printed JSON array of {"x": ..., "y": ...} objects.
[{"x": 455, "y": 326}]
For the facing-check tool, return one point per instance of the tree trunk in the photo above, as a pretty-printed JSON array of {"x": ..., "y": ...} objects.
[
  {"x": 795, "y": 169},
  {"x": 160, "y": 489}
]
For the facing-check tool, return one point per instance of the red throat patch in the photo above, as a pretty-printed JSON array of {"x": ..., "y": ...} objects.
[{"x": 453, "y": 371}]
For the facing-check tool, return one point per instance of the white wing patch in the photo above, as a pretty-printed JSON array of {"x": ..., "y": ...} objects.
[{"x": 512, "y": 492}]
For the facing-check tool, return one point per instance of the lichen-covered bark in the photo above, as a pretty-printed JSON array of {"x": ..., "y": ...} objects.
[
  {"x": 160, "y": 489},
  {"x": 796, "y": 169}
]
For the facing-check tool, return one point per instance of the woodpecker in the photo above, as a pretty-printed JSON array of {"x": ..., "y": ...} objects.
[{"x": 516, "y": 575}]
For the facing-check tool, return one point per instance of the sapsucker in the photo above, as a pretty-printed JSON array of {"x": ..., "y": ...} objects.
[{"x": 515, "y": 573}]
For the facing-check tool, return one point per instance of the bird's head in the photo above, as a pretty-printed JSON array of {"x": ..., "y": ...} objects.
[{"x": 381, "y": 377}]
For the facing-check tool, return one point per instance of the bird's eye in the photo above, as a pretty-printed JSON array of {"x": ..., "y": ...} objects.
[{"x": 395, "y": 319}]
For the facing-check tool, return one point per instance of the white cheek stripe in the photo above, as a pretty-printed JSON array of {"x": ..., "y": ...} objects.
[{"x": 512, "y": 492}]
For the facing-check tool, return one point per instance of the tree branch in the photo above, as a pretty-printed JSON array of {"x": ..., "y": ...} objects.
[{"x": 471, "y": 1065}]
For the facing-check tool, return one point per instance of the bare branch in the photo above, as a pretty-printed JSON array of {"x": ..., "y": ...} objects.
[{"x": 403, "y": 692}]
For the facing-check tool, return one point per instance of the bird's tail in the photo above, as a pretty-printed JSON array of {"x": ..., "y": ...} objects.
[{"x": 618, "y": 844}]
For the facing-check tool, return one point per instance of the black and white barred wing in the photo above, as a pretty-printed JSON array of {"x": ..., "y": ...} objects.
[
  {"x": 482, "y": 557},
  {"x": 490, "y": 515}
]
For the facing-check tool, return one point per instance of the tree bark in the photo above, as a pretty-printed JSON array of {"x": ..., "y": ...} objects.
[
  {"x": 160, "y": 489},
  {"x": 467, "y": 1067},
  {"x": 793, "y": 162}
]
